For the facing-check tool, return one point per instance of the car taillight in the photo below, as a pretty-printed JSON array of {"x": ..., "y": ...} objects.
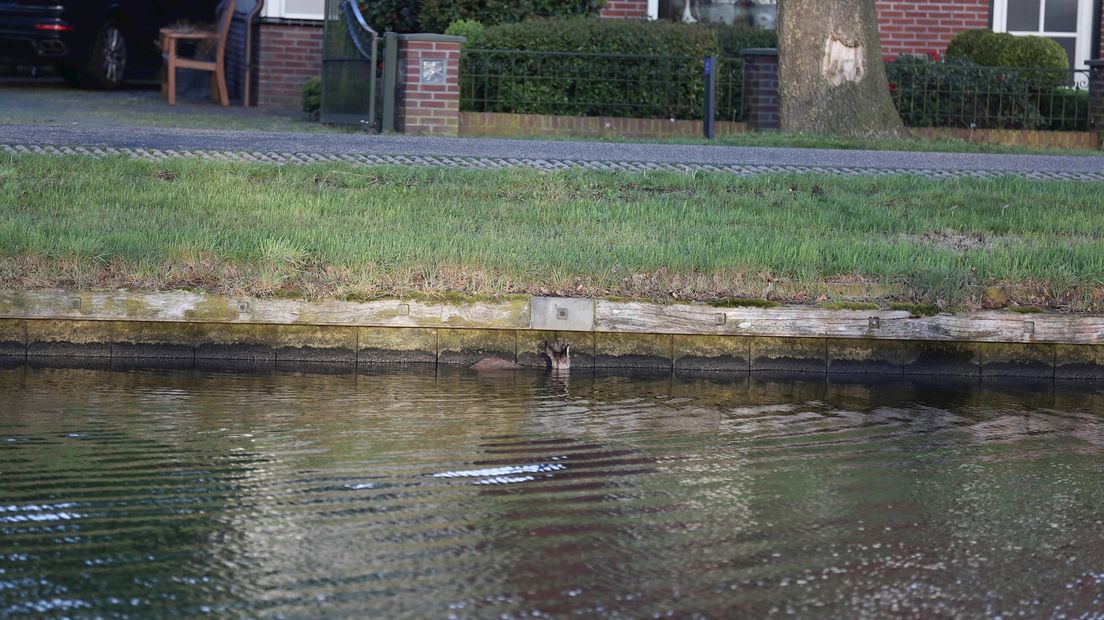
[{"x": 54, "y": 27}]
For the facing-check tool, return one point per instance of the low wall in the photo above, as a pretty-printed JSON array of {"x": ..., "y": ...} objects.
[
  {"x": 503, "y": 125},
  {"x": 1076, "y": 140},
  {"x": 602, "y": 334},
  {"x": 498, "y": 124}
]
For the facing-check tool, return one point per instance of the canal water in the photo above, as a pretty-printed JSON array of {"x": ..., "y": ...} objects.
[{"x": 409, "y": 493}]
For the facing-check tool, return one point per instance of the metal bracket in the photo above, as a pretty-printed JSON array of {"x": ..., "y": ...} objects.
[{"x": 562, "y": 314}]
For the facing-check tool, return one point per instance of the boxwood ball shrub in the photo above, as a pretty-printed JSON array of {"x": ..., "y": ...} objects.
[
  {"x": 471, "y": 30},
  {"x": 965, "y": 44},
  {"x": 1000, "y": 49},
  {"x": 960, "y": 92}
]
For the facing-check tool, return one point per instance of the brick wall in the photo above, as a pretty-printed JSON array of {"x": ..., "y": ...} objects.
[
  {"x": 432, "y": 109},
  {"x": 621, "y": 9},
  {"x": 926, "y": 26},
  {"x": 288, "y": 54},
  {"x": 1096, "y": 99},
  {"x": 762, "y": 109}
]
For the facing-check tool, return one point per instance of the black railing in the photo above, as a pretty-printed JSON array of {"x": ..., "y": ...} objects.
[
  {"x": 965, "y": 95},
  {"x": 926, "y": 93}
]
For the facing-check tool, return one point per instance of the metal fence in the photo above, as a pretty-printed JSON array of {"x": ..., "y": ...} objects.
[
  {"x": 926, "y": 93},
  {"x": 349, "y": 66},
  {"x": 594, "y": 84},
  {"x": 964, "y": 95}
]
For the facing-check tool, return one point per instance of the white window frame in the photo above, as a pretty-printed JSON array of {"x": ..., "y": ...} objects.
[
  {"x": 1083, "y": 47},
  {"x": 278, "y": 9}
]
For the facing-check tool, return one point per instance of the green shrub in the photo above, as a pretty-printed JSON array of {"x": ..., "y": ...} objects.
[
  {"x": 991, "y": 49},
  {"x": 1066, "y": 109},
  {"x": 999, "y": 49},
  {"x": 637, "y": 68},
  {"x": 609, "y": 36},
  {"x": 312, "y": 97},
  {"x": 961, "y": 93},
  {"x": 471, "y": 30},
  {"x": 735, "y": 38},
  {"x": 436, "y": 15},
  {"x": 391, "y": 15},
  {"x": 1049, "y": 66},
  {"x": 965, "y": 44}
]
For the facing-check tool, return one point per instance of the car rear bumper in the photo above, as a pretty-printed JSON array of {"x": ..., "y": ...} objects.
[{"x": 37, "y": 34}]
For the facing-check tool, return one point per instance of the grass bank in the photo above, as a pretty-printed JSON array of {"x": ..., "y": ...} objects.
[
  {"x": 774, "y": 139},
  {"x": 358, "y": 233}
]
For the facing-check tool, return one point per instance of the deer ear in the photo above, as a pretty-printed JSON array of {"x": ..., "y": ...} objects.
[{"x": 565, "y": 349}]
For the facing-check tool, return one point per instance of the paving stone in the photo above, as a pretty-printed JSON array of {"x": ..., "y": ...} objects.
[{"x": 153, "y": 154}]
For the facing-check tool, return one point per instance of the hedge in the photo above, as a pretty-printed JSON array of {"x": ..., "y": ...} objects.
[
  {"x": 1040, "y": 59},
  {"x": 653, "y": 69},
  {"x": 437, "y": 15},
  {"x": 961, "y": 93}
]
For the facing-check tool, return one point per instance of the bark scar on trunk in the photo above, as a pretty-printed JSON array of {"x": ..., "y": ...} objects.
[{"x": 843, "y": 60}]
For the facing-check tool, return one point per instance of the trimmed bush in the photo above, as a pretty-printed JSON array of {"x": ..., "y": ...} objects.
[
  {"x": 961, "y": 93},
  {"x": 607, "y": 36},
  {"x": 653, "y": 69},
  {"x": 1049, "y": 66},
  {"x": 312, "y": 97},
  {"x": 733, "y": 39},
  {"x": 965, "y": 44},
  {"x": 436, "y": 15},
  {"x": 1000, "y": 49},
  {"x": 471, "y": 30},
  {"x": 991, "y": 49},
  {"x": 391, "y": 15}
]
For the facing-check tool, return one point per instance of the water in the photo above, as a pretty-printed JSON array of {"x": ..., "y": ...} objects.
[{"x": 409, "y": 494}]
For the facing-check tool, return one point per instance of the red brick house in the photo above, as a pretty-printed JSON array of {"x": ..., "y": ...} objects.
[{"x": 287, "y": 34}]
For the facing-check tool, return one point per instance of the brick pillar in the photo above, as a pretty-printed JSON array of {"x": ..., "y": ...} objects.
[
  {"x": 288, "y": 54},
  {"x": 1096, "y": 100},
  {"x": 624, "y": 9},
  {"x": 762, "y": 110},
  {"x": 429, "y": 84}
]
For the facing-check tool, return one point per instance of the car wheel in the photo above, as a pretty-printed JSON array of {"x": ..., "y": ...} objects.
[{"x": 107, "y": 63}]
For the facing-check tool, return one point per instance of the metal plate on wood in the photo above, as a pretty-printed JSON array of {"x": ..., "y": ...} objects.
[{"x": 562, "y": 314}]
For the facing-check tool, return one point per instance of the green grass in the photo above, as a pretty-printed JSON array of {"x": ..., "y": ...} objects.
[
  {"x": 342, "y": 231},
  {"x": 813, "y": 141},
  {"x": 848, "y": 305},
  {"x": 916, "y": 310}
]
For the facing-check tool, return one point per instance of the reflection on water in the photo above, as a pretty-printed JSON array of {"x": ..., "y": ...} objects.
[{"x": 413, "y": 494}]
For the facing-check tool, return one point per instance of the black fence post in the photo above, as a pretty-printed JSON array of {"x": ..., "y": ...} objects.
[
  {"x": 709, "y": 118},
  {"x": 1096, "y": 100},
  {"x": 390, "y": 77}
]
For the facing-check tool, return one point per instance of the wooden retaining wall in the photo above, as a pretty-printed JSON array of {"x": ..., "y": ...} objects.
[{"x": 603, "y": 334}]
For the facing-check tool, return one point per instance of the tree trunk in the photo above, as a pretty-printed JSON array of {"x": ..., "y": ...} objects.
[{"x": 831, "y": 75}]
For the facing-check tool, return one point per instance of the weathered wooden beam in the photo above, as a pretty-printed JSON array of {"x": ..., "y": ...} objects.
[{"x": 609, "y": 317}]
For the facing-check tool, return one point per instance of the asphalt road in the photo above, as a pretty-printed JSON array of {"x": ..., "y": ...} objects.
[{"x": 167, "y": 139}]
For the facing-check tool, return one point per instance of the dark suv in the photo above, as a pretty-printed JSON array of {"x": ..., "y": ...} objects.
[{"x": 95, "y": 42}]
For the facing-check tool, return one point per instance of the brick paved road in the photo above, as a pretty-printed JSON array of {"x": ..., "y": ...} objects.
[{"x": 287, "y": 148}]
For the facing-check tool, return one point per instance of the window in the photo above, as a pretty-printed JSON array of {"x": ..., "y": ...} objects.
[
  {"x": 1069, "y": 22},
  {"x": 761, "y": 13}
]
